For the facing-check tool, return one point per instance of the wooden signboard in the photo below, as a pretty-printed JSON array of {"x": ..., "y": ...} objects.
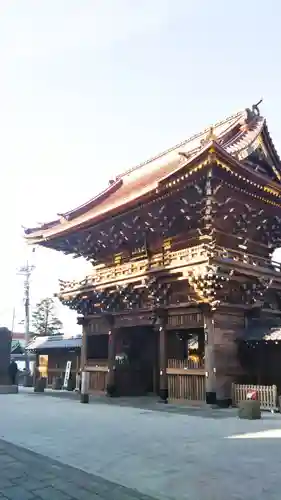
[{"x": 67, "y": 374}]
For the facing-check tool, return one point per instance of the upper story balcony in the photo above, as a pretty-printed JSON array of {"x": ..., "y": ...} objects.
[{"x": 185, "y": 262}]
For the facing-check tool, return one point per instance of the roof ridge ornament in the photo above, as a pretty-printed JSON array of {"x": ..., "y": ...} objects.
[
  {"x": 254, "y": 112},
  {"x": 209, "y": 137},
  {"x": 255, "y": 108},
  {"x": 63, "y": 217}
]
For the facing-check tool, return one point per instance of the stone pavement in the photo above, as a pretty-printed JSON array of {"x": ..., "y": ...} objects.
[
  {"x": 145, "y": 403},
  {"x": 164, "y": 455},
  {"x": 29, "y": 476}
]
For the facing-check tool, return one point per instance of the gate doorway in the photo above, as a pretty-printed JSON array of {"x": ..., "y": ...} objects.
[
  {"x": 186, "y": 365},
  {"x": 136, "y": 361}
]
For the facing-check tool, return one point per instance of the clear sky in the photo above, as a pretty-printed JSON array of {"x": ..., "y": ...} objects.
[{"x": 91, "y": 87}]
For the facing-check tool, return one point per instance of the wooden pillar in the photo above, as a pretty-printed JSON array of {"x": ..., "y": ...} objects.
[
  {"x": 163, "y": 358},
  {"x": 36, "y": 373},
  {"x": 111, "y": 388},
  {"x": 84, "y": 396},
  {"x": 229, "y": 327},
  {"x": 210, "y": 367},
  {"x": 83, "y": 361},
  {"x": 201, "y": 344},
  {"x": 83, "y": 355}
]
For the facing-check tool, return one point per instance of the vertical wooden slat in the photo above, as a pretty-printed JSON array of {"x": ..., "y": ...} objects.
[
  {"x": 189, "y": 387},
  {"x": 186, "y": 387},
  {"x": 98, "y": 381},
  {"x": 267, "y": 395}
]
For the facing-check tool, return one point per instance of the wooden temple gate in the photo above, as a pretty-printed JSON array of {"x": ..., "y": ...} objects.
[
  {"x": 186, "y": 379},
  {"x": 185, "y": 366},
  {"x": 188, "y": 232}
]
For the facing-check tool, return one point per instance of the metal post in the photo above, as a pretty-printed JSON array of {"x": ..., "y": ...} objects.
[
  {"x": 26, "y": 323},
  {"x": 26, "y": 272},
  {"x": 13, "y": 319}
]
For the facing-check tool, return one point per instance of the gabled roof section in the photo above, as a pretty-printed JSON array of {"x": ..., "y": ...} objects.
[
  {"x": 243, "y": 136},
  {"x": 17, "y": 347},
  {"x": 55, "y": 342}
]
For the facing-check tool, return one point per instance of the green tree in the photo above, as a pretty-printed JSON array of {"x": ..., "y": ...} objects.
[{"x": 44, "y": 318}]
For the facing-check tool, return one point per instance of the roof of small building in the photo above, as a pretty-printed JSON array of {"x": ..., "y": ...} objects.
[
  {"x": 235, "y": 136},
  {"x": 263, "y": 334},
  {"x": 17, "y": 347},
  {"x": 263, "y": 329},
  {"x": 55, "y": 342}
]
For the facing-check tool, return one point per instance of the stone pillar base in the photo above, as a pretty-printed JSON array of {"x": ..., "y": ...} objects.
[
  {"x": 85, "y": 382},
  {"x": 9, "y": 389},
  {"x": 211, "y": 398},
  {"x": 163, "y": 393},
  {"x": 224, "y": 403},
  {"x": 57, "y": 384},
  {"x": 27, "y": 381},
  {"x": 111, "y": 390},
  {"x": 84, "y": 398},
  {"x": 40, "y": 385}
]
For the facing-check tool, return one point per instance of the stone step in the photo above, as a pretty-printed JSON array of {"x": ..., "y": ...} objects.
[{"x": 9, "y": 389}]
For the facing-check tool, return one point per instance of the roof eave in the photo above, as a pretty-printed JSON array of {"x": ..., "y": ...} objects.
[
  {"x": 205, "y": 156},
  {"x": 212, "y": 154},
  {"x": 62, "y": 229},
  {"x": 112, "y": 188}
]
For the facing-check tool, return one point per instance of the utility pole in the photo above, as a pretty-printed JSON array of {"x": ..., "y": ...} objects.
[
  {"x": 13, "y": 319},
  {"x": 26, "y": 272}
]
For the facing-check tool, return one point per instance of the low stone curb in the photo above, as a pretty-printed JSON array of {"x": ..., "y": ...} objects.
[{"x": 9, "y": 389}]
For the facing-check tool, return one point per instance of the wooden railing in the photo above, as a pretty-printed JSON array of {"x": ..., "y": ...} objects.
[
  {"x": 186, "y": 380},
  {"x": 103, "y": 273},
  {"x": 248, "y": 259},
  {"x": 192, "y": 255},
  {"x": 267, "y": 395},
  {"x": 183, "y": 388},
  {"x": 98, "y": 369},
  {"x": 185, "y": 364}
]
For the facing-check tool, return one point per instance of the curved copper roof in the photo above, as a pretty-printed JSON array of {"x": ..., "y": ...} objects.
[{"x": 234, "y": 135}]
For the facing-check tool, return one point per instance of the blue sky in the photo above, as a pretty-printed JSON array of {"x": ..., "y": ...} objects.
[{"x": 91, "y": 87}]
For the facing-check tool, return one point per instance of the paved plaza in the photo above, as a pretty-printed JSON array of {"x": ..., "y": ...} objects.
[
  {"x": 122, "y": 452},
  {"x": 26, "y": 475}
]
